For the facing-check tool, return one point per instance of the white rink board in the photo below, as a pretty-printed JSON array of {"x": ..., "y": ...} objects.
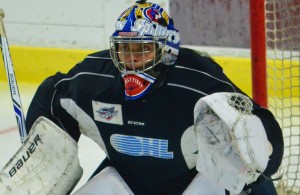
[{"x": 64, "y": 24}]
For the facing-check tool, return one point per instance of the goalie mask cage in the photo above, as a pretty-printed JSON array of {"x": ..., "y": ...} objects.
[{"x": 275, "y": 53}]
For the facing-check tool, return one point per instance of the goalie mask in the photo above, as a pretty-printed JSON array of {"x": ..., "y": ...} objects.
[
  {"x": 144, "y": 37},
  {"x": 144, "y": 29}
]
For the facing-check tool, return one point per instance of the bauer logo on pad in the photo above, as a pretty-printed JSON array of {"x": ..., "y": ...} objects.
[{"x": 107, "y": 113}]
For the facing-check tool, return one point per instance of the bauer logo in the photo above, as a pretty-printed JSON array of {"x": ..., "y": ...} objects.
[
  {"x": 107, "y": 113},
  {"x": 25, "y": 156}
]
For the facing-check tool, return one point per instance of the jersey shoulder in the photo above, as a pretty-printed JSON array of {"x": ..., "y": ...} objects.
[
  {"x": 198, "y": 72},
  {"x": 99, "y": 62},
  {"x": 94, "y": 66},
  {"x": 201, "y": 61}
]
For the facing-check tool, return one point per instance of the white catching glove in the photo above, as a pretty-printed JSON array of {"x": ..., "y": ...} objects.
[{"x": 233, "y": 149}]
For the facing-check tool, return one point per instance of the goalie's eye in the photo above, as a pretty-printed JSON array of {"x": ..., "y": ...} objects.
[{"x": 124, "y": 47}]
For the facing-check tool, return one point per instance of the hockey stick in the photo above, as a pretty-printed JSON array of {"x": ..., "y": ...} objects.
[{"x": 12, "y": 80}]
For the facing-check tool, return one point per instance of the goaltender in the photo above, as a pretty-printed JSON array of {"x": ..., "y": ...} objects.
[{"x": 168, "y": 119}]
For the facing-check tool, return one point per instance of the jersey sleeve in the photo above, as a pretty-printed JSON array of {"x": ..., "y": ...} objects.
[
  {"x": 47, "y": 99},
  {"x": 271, "y": 126},
  {"x": 42, "y": 105},
  {"x": 275, "y": 137},
  {"x": 219, "y": 82}
]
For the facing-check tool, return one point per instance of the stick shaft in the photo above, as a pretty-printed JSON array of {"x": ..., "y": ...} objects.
[{"x": 14, "y": 91}]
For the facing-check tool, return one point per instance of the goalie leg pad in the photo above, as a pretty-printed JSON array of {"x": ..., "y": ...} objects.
[
  {"x": 108, "y": 182},
  {"x": 47, "y": 163},
  {"x": 202, "y": 186}
]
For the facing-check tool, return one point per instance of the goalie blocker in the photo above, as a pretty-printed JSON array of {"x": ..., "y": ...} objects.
[{"x": 41, "y": 166}]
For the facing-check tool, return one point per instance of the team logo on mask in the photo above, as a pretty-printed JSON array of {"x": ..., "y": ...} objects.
[
  {"x": 136, "y": 85},
  {"x": 153, "y": 14}
]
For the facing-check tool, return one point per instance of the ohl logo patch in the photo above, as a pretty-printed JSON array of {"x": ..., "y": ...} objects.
[
  {"x": 107, "y": 113},
  {"x": 141, "y": 146}
]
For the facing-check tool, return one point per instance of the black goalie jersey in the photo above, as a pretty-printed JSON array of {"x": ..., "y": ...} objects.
[{"x": 150, "y": 141}]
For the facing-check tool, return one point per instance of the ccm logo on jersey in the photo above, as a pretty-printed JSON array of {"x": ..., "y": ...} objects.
[
  {"x": 25, "y": 157},
  {"x": 135, "y": 123},
  {"x": 107, "y": 113}
]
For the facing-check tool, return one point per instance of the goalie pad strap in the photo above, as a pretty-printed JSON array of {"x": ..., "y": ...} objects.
[{"x": 47, "y": 163}]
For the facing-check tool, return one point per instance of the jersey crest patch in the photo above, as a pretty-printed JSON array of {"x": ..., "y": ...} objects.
[{"x": 107, "y": 113}]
